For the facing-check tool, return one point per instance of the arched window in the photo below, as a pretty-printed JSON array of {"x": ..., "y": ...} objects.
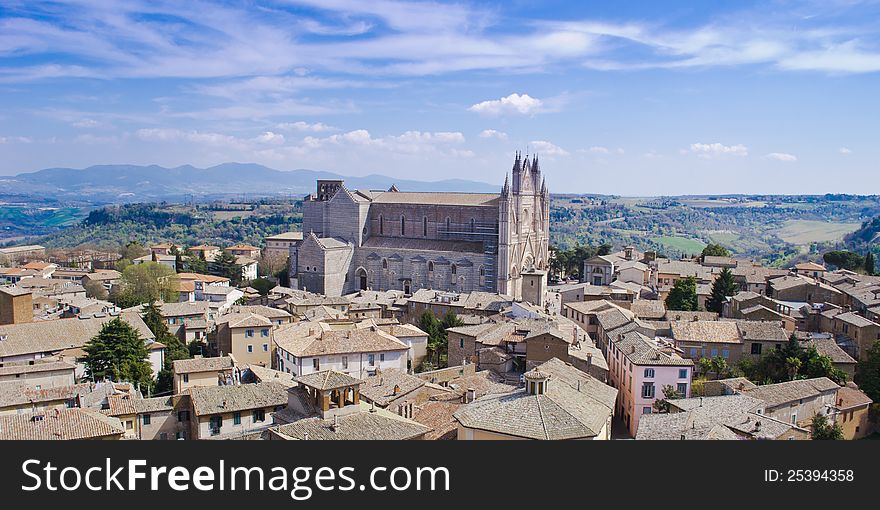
[
  {"x": 454, "y": 269},
  {"x": 384, "y": 263},
  {"x": 402, "y": 226},
  {"x": 473, "y": 225},
  {"x": 425, "y": 226},
  {"x": 430, "y": 267},
  {"x": 482, "y": 276},
  {"x": 381, "y": 225}
]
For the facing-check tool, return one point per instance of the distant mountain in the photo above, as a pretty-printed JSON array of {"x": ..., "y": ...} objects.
[{"x": 133, "y": 183}]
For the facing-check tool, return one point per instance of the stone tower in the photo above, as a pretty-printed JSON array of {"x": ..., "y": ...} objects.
[{"x": 523, "y": 224}]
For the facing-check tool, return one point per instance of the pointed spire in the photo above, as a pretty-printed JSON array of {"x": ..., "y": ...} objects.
[
  {"x": 535, "y": 168},
  {"x": 543, "y": 186},
  {"x": 517, "y": 164},
  {"x": 505, "y": 190}
]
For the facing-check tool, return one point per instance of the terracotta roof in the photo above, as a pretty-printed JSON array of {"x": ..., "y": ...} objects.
[
  {"x": 315, "y": 339},
  {"x": 59, "y": 424},
  {"x": 706, "y": 331},
  {"x": 364, "y": 425},
  {"x": 208, "y": 400},
  {"x": 848, "y": 397},
  {"x": 778, "y": 394},
  {"x": 328, "y": 380},
  {"x": 441, "y": 198},
  {"x": 36, "y": 367},
  {"x": 189, "y": 366},
  {"x": 573, "y": 405},
  {"x": 389, "y": 385},
  {"x": 60, "y": 334}
]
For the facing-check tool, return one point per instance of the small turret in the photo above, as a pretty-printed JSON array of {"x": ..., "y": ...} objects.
[{"x": 505, "y": 190}]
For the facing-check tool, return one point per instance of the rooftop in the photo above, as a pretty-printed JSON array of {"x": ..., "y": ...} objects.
[{"x": 59, "y": 424}]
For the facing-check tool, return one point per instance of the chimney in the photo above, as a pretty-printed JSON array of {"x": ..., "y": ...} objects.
[
  {"x": 470, "y": 395},
  {"x": 396, "y": 389},
  {"x": 335, "y": 426},
  {"x": 589, "y": 360},
  {"x": 306, "y": 436}
]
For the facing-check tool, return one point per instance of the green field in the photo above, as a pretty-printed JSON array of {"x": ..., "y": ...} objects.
[
  {"x": 802, "y": 232},
  {"x": 681, "y": 244}
]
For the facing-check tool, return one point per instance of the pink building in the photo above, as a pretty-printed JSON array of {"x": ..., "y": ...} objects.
[{"x": 639, "y": 367}]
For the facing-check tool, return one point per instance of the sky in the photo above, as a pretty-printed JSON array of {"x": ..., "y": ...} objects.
[{"x": 629, "y": 98}]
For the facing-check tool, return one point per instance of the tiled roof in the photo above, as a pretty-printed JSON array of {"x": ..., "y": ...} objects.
[
  {"x": 686, "y": 316},
  {"x": 574, "y": 405},
  {"x": 207, "y": 400},
  {"x": 767, "y": 331},
  {"x": 389, "y": 385},
  {"x": 438, "y": 198},
  {"x": 263, "y": 374},
  {"x": 706, "y": 331},
  {"x": 648, "y": 309},
  {"x": 19, "y": 393},
  {"x": 828, "y": 347},
  {"x": 124, "y": 405},
  {"x": 243, "y": 320},
  {"x": 286, "y": 236},
  {"x": 36, "y": 367},
  {"x": 641, "y": 350},
  {"x": 364, "y": 425},
  {"x": 311, "y": 339},
  {"x": 59, "y": 334},
  {"x": 855, "y": 319},
  {"x": 189, "y": 366},
  {"x": 59, "y": 424},
  {"x": 328, "y": 380},
  {"x": 778, "y": 394}
]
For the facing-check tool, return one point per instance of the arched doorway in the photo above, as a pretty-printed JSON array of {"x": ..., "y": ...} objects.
[{"x": 361, "y": 275}]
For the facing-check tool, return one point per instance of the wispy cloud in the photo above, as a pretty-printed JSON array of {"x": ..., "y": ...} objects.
[
  {"x": 491, "y": 133},
  {"x": 845, "y": 151},
  {"x": 716, "y": 149},
  {"x": 782, "y": 156},
  {"x": 545, "y": 148}
]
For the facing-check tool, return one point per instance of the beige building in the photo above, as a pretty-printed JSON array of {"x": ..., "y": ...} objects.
[
  {"x": 852, "y": 412},
  {"x": 150, "y": 418},
  {"x": 279, "y": 245},
  {"x": 222, "y": 412},
  {"x": 247, "y": 337},
  {"x": 16, "y": 305},
  {"x": 42, "y": 373},
  {"x": 197, "y": 372}
]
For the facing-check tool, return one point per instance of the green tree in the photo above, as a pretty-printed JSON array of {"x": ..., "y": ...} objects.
[
  {"x": 715, "y": 250},
  {"x": 823, "y": 430},
  {"x": 118, "y": 353},
  {"x": 430, "y": 325},
  {"x": 262, "y": 285},
  {"x": 844, "y": 260},
  {"x": 145, "y": 283},
  {"x": 194, "y": 262},
  {"x": 790, "y": 362},
  {"x": 683, "y": 296},
  {"x": 174, "y": 348},
  {"x": 722, "y": 288},
  {"x": 870, "y": 265},
  {"x": 96, "y": 290},
  {"x": 868, "y": 373},
  {"x": 225, "y": 265},
  {"x": 662, "y": 405}
]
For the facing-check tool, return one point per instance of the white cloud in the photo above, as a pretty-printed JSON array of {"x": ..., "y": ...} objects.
[
  {"x": 711, "y": 150},
  {"x": 270, "y": 138},
  {"x": 782, "y": 156},
  {"x": 543, "y": 147},
  {"x": 86, "y": 123},
  {"x": 845, "y": 151},
  {"x": 513, "y": 104},
  {"x": 317, "y": 127},
  {"x": 599, "y": 150},
  {"x": 14, "y": 139},
  {"x": 491, "y": 133}
]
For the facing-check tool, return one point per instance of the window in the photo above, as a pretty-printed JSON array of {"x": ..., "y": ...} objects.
[
  {"x": 183, "y": 416},
  {"x": 264, "y": 333},
  {"x": 345, "y": 362},
  {"x": 682, "y": 389},
  {"x": 316, "y": 364},
  {"x": 180, "y": 435},
  {"x": 649, "y": 372},
  {"x": 646, "y": 410},
  {"x": 216, "y": 425},
  {"x": 384, "y": 263},
  {"x": 146, "y": 419},
  {"x": 259, "y": 415},
  {"x": 794, "y": 418},
  {"x": 250, "y": 348},
  {"x": 371, "y": 359},
  {"x": 402, "y": 226},
  {"x": 714, "y": 352},
  {"x": 430, "y": 266},
  {"x": 725, "y": 353},
  {"x": 756, "y": 348},
  {"x": 381, "y": 225},
  {"x": 186, "y": 378},
  {"x": 382, "y": 357},
  {"x": 236, "y": 418},
  {"x": 648, "y": 390},
  {"x": 693, "y": 352},
  {"x": 461, "y": 343},
  {"x": 454, "y": 269},
  {"x": 265, "y": 347},
  {"x": 425, "y": 226},
  {"x": 249, "y": 333},
  {"x": 682, "y": 373}
]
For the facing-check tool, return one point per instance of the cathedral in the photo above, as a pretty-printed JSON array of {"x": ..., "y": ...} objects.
[{"x": 459, "y": 242}]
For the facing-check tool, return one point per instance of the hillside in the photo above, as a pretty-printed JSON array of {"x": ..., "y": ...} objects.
[{"x": 153, "y": 183}]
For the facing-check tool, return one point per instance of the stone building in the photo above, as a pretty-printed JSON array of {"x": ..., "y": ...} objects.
[{"x": 394, "y": 240}]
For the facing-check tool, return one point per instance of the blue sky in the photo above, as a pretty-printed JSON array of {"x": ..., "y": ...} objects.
[{"x": 643, "y": 98}]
